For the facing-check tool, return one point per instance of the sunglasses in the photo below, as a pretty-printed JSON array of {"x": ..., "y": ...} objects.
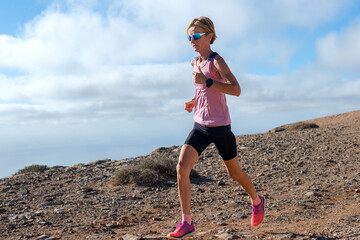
[{"x": 197, "y": 36}]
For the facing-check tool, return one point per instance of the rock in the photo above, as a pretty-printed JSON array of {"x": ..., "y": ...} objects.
[
  {"x": 349, "y": 219},
  {"x": 221, "y": 183},
  {"x": 245, "y": 234},
  {"x": 221, "y": 223},
  {"x": 287, "y": 236},
  {"x": 310, "y": 194},
  {"x": 42, "y": 237},
  {"x": 239, "y": 216},
  {"x": 130, "y": 237},
  {"x": 227, "y": 236},
  {"x": 58, "y": 210}
]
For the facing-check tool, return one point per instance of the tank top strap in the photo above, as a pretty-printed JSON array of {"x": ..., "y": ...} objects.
[{"x": 211, "y": 57}]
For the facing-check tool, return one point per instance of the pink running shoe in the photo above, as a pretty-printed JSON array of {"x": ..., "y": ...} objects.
[
  {"x": 182, "y": 230},
  {"x": 258, "y": 212}
]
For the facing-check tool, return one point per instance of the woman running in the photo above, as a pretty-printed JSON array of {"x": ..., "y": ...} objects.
[{"x": 213, "y": 80}]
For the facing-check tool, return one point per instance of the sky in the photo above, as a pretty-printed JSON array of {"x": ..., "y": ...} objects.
[{"x": 83, "y": 80}]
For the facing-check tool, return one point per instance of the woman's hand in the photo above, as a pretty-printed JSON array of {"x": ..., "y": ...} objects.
[
  {"x": 199, "y": 77},
  {"x": 190, "y": 105}
]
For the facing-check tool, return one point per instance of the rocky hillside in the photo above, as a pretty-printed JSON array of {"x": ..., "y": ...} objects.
[{"x": 309, "y": 176}]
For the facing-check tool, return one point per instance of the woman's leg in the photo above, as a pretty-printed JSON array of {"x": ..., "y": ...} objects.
[
  {"x": 258, "y": 202},
  {"x": 235, "y": 172},
  {"x": 187, "y": 159}
]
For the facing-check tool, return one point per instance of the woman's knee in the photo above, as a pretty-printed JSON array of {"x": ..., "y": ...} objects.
[
  {"x": 182, "y": 171},
  {"x": 179, "y": 168},
  {"x": 187, "y": 159}
]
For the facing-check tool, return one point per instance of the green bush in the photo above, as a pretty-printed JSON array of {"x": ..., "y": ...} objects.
[
  {"x": 150, "y": 172},
  {"x": 33, "y": 168}
]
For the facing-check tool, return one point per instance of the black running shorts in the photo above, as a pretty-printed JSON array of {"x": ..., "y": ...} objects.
[{"x": 200, "y": 137}]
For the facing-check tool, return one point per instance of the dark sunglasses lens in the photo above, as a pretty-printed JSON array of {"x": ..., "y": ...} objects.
[
  {"x": 197, "y": 36},
  {"x": 189, "y": 37}
]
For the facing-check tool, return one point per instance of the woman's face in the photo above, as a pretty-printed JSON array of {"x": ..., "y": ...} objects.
[{"x": 203, "y": 42}]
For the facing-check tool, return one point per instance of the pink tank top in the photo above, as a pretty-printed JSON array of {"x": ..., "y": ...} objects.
[{"x": 210, "y": 105}]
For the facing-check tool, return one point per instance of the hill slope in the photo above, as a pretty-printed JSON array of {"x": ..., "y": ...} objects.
[{"x": 310, "y": 178}]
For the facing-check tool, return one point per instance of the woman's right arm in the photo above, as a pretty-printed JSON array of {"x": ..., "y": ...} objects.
[{"x": 190, "y": 105}]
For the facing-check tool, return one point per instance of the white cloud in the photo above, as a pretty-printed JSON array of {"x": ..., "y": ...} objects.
[
  {"x": 81, "y": 64},
  {"x": 300, "y": 13},
  {"x": 122, "y": 92},
  {"x": 78, "y": 40},
  {"x": 306, "y": 88},
  {"x": 341, "y": 50},
  {"x": 271, "y": 32}
]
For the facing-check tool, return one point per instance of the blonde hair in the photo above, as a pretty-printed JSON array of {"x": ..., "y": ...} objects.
[{"x": 206, "y": 24}]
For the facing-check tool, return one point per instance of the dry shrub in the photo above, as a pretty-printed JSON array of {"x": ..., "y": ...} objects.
[
  {"x": 150, "y": 172},
  {"x": 32, "y": 168},
  {"x": 302, "y": 126},
  {"x": 294, "y": 127}
]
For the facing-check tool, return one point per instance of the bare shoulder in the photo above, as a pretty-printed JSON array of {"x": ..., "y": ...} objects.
[
  {"x": 220, "y": 63},
  {"x": 193, "y": 60}
]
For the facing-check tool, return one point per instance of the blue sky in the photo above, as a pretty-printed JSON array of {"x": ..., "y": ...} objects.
[{"x": 87, "y": 80}]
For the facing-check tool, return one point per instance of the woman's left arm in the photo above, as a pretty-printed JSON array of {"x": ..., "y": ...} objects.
[{"x": 231, "y": 85}]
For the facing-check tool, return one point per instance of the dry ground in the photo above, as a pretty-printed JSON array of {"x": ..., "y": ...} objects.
[{"x": 310, "y": 179}]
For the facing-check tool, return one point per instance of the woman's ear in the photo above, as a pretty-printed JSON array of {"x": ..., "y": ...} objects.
[{"x": 210, "y": 36}]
